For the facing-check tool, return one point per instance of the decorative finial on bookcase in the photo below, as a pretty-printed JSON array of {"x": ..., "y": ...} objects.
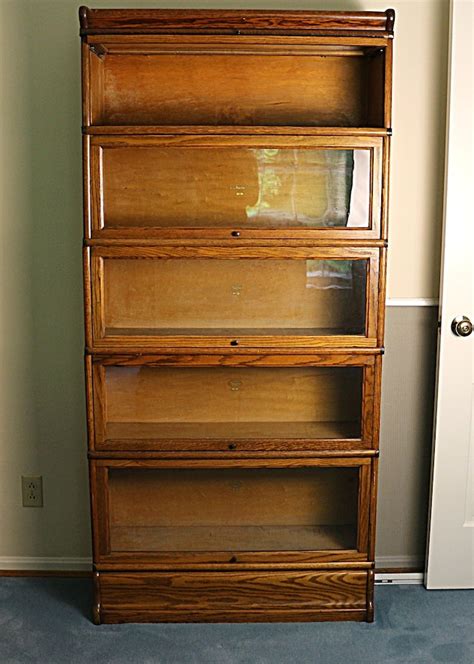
[
  {"x": 390, "y": 14},
  {"x": 83, "y": 11}
]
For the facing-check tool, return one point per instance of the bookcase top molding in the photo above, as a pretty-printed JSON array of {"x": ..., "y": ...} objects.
[{"x": 229, "y": 21}]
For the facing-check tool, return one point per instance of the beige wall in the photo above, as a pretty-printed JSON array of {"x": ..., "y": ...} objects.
[
  {"x": 419, "y": 115},
  {"x": 41, "y": 342}
]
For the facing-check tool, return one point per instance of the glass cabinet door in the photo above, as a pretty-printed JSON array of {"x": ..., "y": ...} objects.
[
  {"x": 245, "y": 512},
  {"x": 286, "y": 186},
  {"x": 148, "y": 298},
  {"x": 152, "y": 406}
]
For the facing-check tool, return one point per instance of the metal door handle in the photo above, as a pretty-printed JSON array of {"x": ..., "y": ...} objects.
[{"x": 461, "y": 326}]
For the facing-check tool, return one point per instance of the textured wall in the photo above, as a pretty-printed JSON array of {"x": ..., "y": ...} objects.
[{"x": 41, "y": 341}]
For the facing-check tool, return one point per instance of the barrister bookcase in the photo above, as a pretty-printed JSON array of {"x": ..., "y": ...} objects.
[{"x": 235, "y": 208}]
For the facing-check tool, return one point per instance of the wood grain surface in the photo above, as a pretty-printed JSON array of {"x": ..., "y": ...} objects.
[
  {"x": 148, "y": 21},
  {"x": 233, "y": 596}
]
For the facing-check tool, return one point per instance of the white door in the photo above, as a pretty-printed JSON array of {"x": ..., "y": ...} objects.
[{"x": 450, "y": 559}]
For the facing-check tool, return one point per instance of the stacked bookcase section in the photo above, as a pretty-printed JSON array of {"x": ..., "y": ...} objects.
[{"x": 235, "y": 205}]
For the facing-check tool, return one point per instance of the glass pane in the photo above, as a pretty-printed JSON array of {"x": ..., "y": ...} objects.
[
  {"x": 231, "y": 402},
  {"x": 233, "y": 509},
  {"x": 240, "y": 187},
  {"x": 155, "y": 297}
]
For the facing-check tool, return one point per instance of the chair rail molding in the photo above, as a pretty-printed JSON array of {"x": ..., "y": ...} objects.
[{"x": 412, "y": 302}]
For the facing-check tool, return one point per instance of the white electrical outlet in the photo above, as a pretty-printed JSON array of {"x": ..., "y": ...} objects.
[{"x": 32, "y": 491}]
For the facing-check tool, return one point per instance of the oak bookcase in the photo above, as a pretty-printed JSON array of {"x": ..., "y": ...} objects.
[{"x": 235, "y": 207}]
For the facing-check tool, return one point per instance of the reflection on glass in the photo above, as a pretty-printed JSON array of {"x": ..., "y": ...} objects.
[
  {"x": 244, "y": 187},
  {"x": 304, "y": 187},
  {"x": 233, "y": 509},
  {"x": 249, "y": 296},
  {"x": 159, "y": 403}
]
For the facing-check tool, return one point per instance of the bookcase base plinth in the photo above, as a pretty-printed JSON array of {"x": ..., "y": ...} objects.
[{"x": 264, "y": 596}]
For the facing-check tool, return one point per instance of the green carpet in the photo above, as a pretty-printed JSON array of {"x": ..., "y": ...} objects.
[{"x": 47, "y": 621}]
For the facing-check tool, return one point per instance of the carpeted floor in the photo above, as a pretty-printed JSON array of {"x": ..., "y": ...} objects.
[{"x": 46, "y": 621}]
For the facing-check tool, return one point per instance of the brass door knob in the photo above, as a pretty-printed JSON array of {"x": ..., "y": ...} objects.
[{"x": 461, "y": 326}]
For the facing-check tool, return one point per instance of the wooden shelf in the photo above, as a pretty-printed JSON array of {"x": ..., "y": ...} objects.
[
  {"x": 125, "y": 431},
  {"x": 228, "y": 332},
  {"x": 233, "y": 538}
]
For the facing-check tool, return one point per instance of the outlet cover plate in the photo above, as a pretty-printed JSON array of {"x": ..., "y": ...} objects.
[{"x": 32, "y": 490}]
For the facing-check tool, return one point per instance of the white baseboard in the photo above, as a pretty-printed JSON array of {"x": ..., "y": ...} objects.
[
  {"x": 400, "y": 578},
  {"x": 45, "y": 564}
]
